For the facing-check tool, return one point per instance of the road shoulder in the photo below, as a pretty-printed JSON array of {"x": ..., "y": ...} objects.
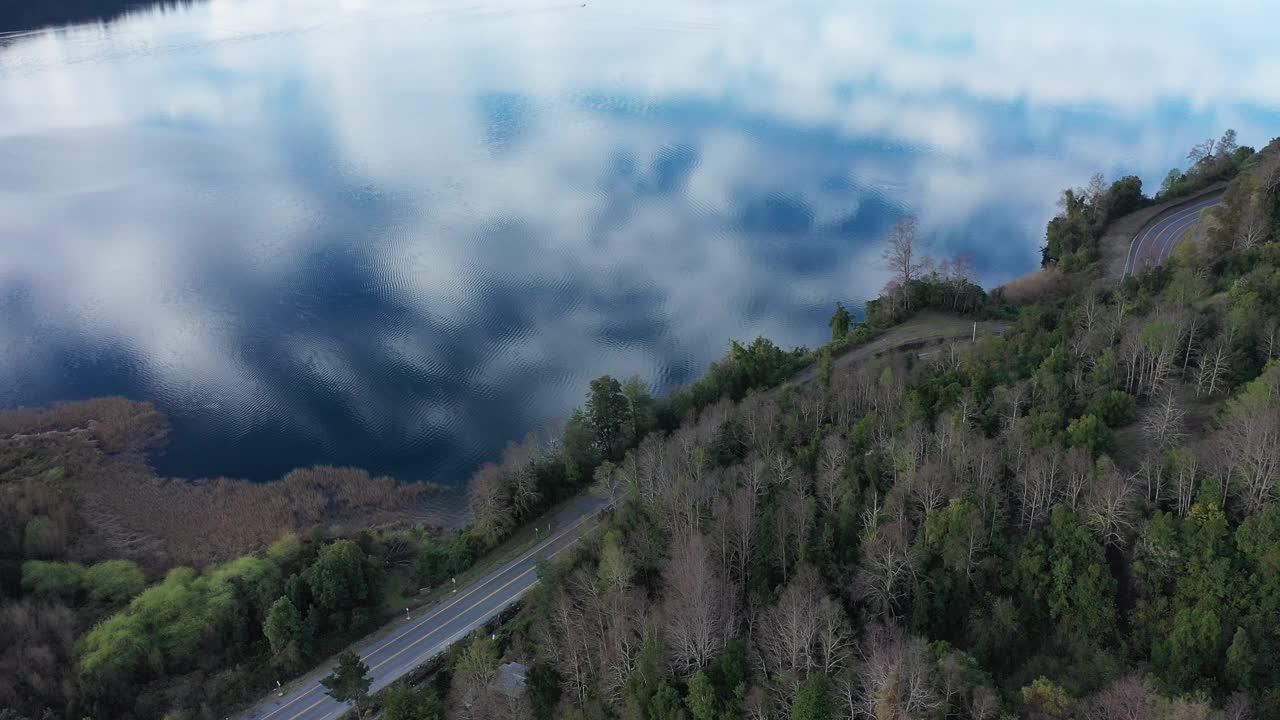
[{"x": 1114, "y": 246}]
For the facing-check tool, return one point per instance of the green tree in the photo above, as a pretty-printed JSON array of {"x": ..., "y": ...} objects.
[
  {"x": 49, "y": 579},
  {"x": 1088, "y": 432},
  {"x": 405, "y": 703},
  {"x": 578, "y": 447},
  {"x": 164, "y": 626},
  {"x": 114, "y": 581},
  {"x": 1047, "y": 698},
  {"x": 825, "y": 367},
  {"x": 609, "y": 413},
  {"x": 1067, "y": 579},
  {"x": 701, "y": 698},
  {"x": 285, "y": 549},
  {"x": 1115, "y": 408},
  {"x": 666, "y": 705},
  {"x": 1240, "y": 660},
  {"x": 839, "y": 322},
  {"x": 650, "y": 673},
  {"x": 282, "y": 626},
  {"x": 339, "y": 577},
  {"x": 43, "y": 539},
  {"x": 1189, "y": 655},
  {"x": 349, "y": 682},
  {"x": 813, "y": 700},
  {"x": 1082, "y": 598},
  {"x": 543, "y": 686},
  {"x": 642, "y": 410},
  {"x": 615, "y": 569},
  {"x": 716, "y": 691}
]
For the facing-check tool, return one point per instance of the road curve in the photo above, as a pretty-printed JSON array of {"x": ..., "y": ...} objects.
[
  {"x": 391, "y": 655},
  {"x": 1155, "y": 242}
]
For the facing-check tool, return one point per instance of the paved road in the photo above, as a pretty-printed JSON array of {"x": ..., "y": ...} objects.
[
  {"x": 927, "y": 327},
  {"x": 1155, "y": 242},
  {"x": 392, "y": 655}
]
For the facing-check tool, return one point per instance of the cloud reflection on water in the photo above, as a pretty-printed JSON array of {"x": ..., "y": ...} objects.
[{"x": 398, "y": 235}]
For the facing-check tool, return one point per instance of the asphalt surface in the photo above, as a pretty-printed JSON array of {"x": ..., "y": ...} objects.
[
  {"x": 1155, "y": 242},
  {"x": 390, "y": 655}
]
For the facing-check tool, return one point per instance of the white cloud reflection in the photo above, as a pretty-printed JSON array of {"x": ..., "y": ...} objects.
[{"x": 598, "y": 163}]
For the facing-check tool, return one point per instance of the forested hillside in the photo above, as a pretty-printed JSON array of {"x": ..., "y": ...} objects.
[{"x": 1076, "y": 519}]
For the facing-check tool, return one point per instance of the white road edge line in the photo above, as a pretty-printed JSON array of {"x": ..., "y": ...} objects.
[{"x": 1131, "y": 259}]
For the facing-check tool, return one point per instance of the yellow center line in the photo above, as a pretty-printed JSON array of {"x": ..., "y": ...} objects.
[
  {"x": 474, "y": 606},
  {"x": 308, "y": 708},
  {"x": 437, "y": 613},
  {"x": 438, "y": 629}
]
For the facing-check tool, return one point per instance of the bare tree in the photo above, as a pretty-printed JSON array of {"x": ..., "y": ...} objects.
[
  {"x": 472, "y": 694},
  {"x": 946, "y": 433},
  {"x": 792, "y": 523},
  {"x": 804, "y": 632},
  {"x": 624, "y": 615},
  {"x": 760, "y": 420},
  {"x": 984, "y": 704},
  {"x": 1163, "y": 426},
  {"x": 566, "y": 641},
  {"x": 754, "y": 474},
  {"x": 1013, "y": 397},
  {"x": 1248, "y": 444},
  {"x": 787, "y": 475},
  {"x": 1089, "y": 314},
  {"x": 1185, "y": 466},
  {"x": 1270, "y": 339},
  {"x": 1252, "y": 227},
  {"x": 1129, "y": 698},
  {"x": 1110, "y": 510},
  {"x": 698, "y": 618},
  {"x": 811, "y": 404},
  {"x": 1213, "y": 365},
  {"x": 929, "y": 486},
  {"x": 490, "y": 503},
  {"x": 1040, "y": 485},
  {"x": 1152, "y": 470},
  {"x": 756, "y": 705},
  {"x": 974, "y": 539},
  {"x": 833, "y": 458},
  {"x": 886, "y": 577},
  {"x": 898, "y": 681},
  {"x": 1237, "y": 707},
  {"x": 848, "y": 693},
  {"x": 651, "y": 471},
  {"x": 1201, "y": 152},
  {"x": 1077, "y": 472},
  {"x": 740, "y": 523},
  {"x": 900, "y": 257}
]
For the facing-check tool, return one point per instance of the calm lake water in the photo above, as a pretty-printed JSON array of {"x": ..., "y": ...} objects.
[{"x": 399, "y": 234}]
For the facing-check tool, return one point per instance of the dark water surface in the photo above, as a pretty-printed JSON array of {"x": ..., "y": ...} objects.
[{"x": 398, "y": 234}]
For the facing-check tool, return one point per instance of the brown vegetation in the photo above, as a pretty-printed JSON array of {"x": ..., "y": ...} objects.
[
  {"x": 1038, "y": 286},
  {"x": 117, "y": 424},
  {"x": 209, "y": 521},
  {"x": 80, "y": 465}
]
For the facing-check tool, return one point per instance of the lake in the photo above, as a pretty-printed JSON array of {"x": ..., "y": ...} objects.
[{"x": 399, "y": 234}]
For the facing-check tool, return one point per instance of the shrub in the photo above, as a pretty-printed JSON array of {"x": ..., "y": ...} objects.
[
  {"x": 1116, "y": 408},
  {"x": 48, "y": 579},
  {"x": 114, "y": 581}
]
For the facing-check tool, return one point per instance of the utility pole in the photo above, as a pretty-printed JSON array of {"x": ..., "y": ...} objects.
[{"x": 975, "y": 332}]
